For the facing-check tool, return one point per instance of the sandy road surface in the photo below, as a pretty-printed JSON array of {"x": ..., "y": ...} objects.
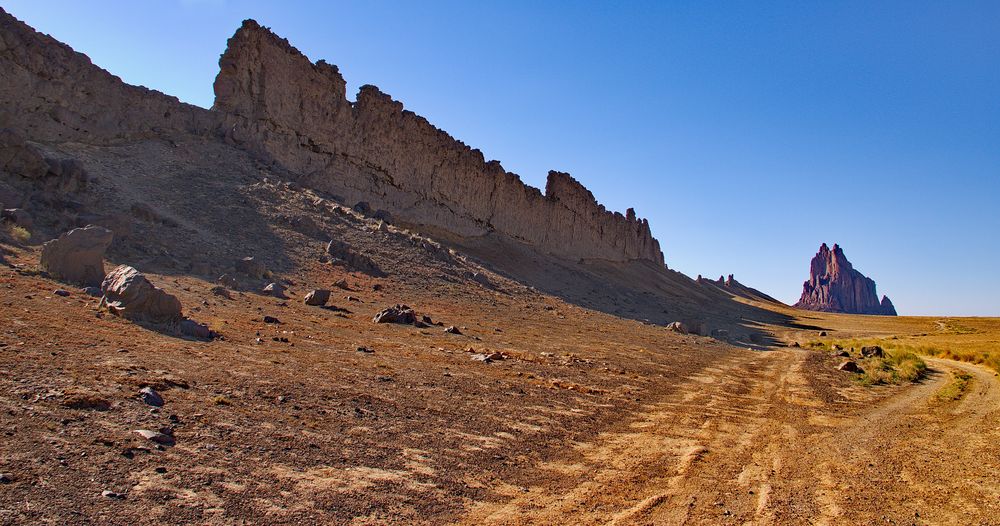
[{"x": 755, "y": 440}]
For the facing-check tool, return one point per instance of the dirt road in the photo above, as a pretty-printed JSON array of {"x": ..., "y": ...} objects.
[{"x": 756, "y": 441}]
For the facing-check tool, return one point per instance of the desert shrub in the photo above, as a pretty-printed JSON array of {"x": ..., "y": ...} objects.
[{"x": 18, "y": 233}]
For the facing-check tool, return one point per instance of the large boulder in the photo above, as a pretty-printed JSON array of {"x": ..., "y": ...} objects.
[
  {"x": 78, "y": 255},
  {"x": 127, "y": 293},
  {"x": 318, "y": 297},
  {"x": 396, "y": 314}
]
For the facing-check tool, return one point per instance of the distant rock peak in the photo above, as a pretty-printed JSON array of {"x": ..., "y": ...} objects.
[{"x": 835, "y": 286}]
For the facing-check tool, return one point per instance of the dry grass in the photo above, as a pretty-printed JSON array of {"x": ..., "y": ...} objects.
[
  {"x": 956, "y": 388},
  {"x": 971, "y": 340},
  {"x": 18, "y": 233},
  {"x": 898, "y": 364}
]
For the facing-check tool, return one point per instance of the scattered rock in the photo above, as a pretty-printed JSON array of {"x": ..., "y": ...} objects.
[
  {"x": 86, "y": 400},
  {"x": 219, "y": 290},
  {"x": 189, "y": 327},
  {"x": 342, "y": 284},
  {"x": 396, "y": 314},
  {"x": 228, "y": 281},
  {"x": 822, "y": 333},
  {"x": 489, "y": 357},
  {"x": 850, "y": 366},
  {"x": 275, "y": 289},
  {"x": 112, "y": 495},
  {"x": 17, "y": 216},
  {"x": 163, "y": 439},
  {"x": 6, "y": 478},
  {"x": 677, "y": 326},
  {"x": 318, "y": 297},
  {"x": 453, "y": 330},
  {"x": 342, "y": 254},
  {"x": 382, "y": 215},
  {"x": 842, "y": 354},
  {"x": 271, "y": 319},
  {"x": 364, "y": 349},
  {"x": 251, "y": 267},
  {"x": 872, "y": 351},
  {"x": 149, "y": 396},
  {"x": 376, "y": 287},
  {"x": 480, "y": 278},
  {"x": 78, "y": 255},
  {"x": 362, "y": 207},
  {"x": 127, "y": 293},
  {"x": 794, "y": 344},
  {"x": 92, "y": 291},
  {"x": 61, "y": 292}
]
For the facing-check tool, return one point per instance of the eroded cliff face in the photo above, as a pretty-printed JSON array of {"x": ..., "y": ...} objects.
[
  {"x": 279, "y": 104},
  {"x": 835, "y": 286},
  {"x": 271, "y": 100},
  {"x": 48, "y": 92}
]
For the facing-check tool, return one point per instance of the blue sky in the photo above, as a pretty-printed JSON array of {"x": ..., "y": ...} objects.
[{"x": 747, "y": 132}]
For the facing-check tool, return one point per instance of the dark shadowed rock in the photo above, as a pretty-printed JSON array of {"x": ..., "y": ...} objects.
[
  {"x": 78, "y": 255},
  {"x": 251, "y": 267},
  {"x": 194, "y": 329},
  {"x": 835, "y": 286},
  {"x": 149, "y": 396},
  {"x": 872, "y": 351},
  {"x": 127, "y": 293},
  {"x": 677, "y": 326},
  {"x": 850, "y": 366}
]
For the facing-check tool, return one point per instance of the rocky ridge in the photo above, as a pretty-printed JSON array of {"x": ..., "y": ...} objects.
[
  {"x": 274, "y": 102},
  {"x": 834, "y": 285},
  {"x": 279, "y": 104}
]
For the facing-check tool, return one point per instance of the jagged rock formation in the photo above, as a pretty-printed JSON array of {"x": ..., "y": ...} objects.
[
  {"x": 271, "y": 100},
  {"x": 835, "y": 286},
  {"x": 279, "y": 104}
]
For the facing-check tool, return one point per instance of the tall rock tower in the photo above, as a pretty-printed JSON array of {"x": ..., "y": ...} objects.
[{"x": 835, "y": 286}]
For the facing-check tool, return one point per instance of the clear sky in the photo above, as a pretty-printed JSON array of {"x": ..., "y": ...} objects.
[{"x": 746, "y": 132}]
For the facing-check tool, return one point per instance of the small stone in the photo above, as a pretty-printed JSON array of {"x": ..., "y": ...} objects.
[
  {"x": 6, "y": 478},
  {"x": 453, "y": 330},
  {"x": 112, "y": 495},
  {"x": 154, "y": 436},
  {"x": 61, "y": 292},
  {"x": 271, "y": 319},
  {"x": 161, "y": 470},
  {"x": 92, "y": 291},
  {"x": 151, "y": 397},
  {"x": 364, "y": 349},
  {"x": 677, "y": 326}
]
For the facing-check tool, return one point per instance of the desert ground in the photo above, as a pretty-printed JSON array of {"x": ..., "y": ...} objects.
[
  {"x": 556, "y": 372},
  {"x": 592, "y": 411}
]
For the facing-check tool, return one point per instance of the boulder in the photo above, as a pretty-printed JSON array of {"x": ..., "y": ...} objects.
[
  {"x": 275, "y": 289},
  {"x": 872, "y": 351},
  {"x": 362, "y": 208},
  {"x": 17, "y": 216},
  {"x": 194, "y": 329},
  {"x": 317, "y": 298},
  {"x": 127, "y": 293},
  {"x": 78, "y": 255},
  {"x": 251, "y": 267},
  {"x": 850, "y": 366},
  {"x": 382, "y": 215},
  {"x": 677, "y": 326},
  {"x": 396, "y": 314}
]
